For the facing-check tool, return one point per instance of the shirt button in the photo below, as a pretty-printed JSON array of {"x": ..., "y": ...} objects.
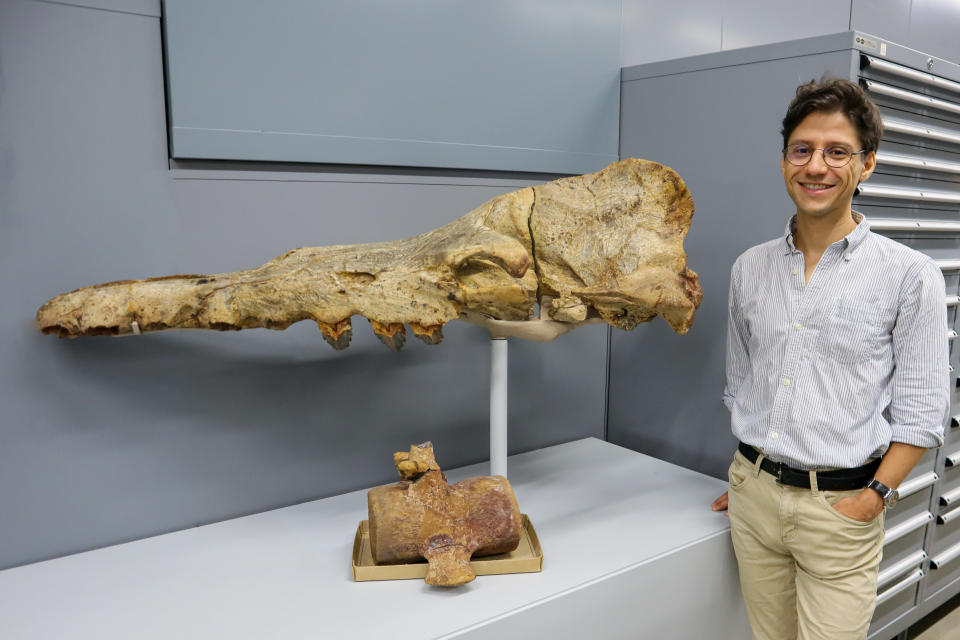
[
  {"x": 846, "y": 256},
  {"x": 774, "y": 435},
  {"x": 786, "y": 382},
  {"x": 794, "y": 272},
  {"x": 798, "y": 326}
]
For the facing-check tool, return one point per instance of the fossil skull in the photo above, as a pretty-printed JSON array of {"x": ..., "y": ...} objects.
[{"x": 606, "y": 246}]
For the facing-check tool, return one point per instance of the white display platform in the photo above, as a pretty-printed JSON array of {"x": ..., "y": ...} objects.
[{"x": 631, "y": 550}]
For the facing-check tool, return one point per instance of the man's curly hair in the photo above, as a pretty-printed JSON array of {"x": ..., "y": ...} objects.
[{"x": 831, "y": 95}]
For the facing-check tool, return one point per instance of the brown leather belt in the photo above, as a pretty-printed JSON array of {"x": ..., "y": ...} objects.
[{"x": 836, "y": 480}]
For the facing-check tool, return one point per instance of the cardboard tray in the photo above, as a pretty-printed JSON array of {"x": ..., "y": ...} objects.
[{"x": 526, "y": 558}]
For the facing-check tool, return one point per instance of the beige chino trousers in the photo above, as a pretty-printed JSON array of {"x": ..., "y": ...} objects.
[{"x": 807, "y": 571}]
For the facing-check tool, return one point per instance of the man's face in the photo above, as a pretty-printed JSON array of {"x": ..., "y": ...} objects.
[{"x": 816, "y": 188}]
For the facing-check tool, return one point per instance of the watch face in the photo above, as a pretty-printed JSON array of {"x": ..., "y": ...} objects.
[{"x": 892, "y": 498}]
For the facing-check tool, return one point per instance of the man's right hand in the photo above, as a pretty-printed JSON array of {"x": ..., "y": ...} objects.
[{"x": 720, "y": 504}]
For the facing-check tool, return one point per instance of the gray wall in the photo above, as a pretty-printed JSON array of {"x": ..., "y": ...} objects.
[
  {"x": 653, "y": 31},
  {"x": 104, "y": 440}
]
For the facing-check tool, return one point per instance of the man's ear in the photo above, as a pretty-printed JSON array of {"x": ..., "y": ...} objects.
[{"x": 869, "y": 164}]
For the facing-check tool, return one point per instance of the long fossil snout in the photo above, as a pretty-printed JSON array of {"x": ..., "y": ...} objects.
[{"x": 608, "y": 245}]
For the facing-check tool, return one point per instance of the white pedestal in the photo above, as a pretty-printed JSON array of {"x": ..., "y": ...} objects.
[
  {"x": 498, "y": 406},
  {"x": 631, "y": 550}
]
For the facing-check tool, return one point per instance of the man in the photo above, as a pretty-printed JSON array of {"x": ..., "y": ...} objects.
[{"x": 837, "y": 381}]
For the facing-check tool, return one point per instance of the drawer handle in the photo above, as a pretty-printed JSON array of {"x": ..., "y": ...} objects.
[
  {"x": 948, "y": 498},
  {"x": 948, "y": 265},
  {"x": 920, "y": 130},
  {"x": 941, "y": 560},
  {"x": 905, "y": 527},
  {"x": 949, "y": 516},
  {"x": 919, "y": 483},
  {"x": 901, "y": 193},
  {"x": 917, "y": 162},
  {"x": 897, "y": 569},
  {"x": 903, "y": 585},
  {"x": 952, "y": 459},
  {"x": 906, "y": 72},
  {"x": 910, "y": 96},
  {"x": 908, "y": 224}
]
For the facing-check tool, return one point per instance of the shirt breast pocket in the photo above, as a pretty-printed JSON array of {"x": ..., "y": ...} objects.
[{"x": 849, "y": 332}]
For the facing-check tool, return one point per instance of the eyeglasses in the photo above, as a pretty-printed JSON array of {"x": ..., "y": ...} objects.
[{"x": 800, "y": 154}]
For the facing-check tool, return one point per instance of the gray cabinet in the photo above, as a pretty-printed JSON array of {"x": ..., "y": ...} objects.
[{"x": 715, "y": 119}]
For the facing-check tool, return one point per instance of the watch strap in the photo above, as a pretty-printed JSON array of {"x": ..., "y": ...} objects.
[{"x": 885, "y": 492}]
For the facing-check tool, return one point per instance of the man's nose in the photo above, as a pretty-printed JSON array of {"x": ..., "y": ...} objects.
[{"x": 817, "y": 163}]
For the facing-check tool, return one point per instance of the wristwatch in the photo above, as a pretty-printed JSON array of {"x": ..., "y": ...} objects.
[{"x": 890, "y": 496}]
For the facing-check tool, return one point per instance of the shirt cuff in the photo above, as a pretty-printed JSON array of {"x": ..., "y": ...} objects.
[{"x": 918, "y": 436}]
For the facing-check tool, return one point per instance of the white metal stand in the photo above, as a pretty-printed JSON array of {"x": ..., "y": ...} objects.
[{"x": 498, "y": 407}]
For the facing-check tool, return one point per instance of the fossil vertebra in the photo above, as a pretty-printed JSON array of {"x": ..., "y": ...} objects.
[
  {"x": 605, "y": 245},
  {"x": 424, "y": 517}
]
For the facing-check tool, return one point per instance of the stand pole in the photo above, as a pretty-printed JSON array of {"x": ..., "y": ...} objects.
[{"x": 498, "y": 407}]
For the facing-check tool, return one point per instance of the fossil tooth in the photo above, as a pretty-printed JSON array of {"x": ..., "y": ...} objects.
[
  {"x": 338, "y": 334},
  {"x": 430, "y": 335},
  {"x": 392, "y": 335},
  {"x": 606, "y": 245}
]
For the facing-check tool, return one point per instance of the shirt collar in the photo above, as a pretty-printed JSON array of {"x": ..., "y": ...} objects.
[{"x": 851, "y": 241}]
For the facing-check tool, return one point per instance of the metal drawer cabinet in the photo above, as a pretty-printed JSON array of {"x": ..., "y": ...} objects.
[
  {"x": 951, "y": 435},
  {"x": 895, "y": 601},
  {"x": 915, "y": 494},
  {"x": 903, "y": 547},
  {"x": 926, "y": 464},
  {"x": 951, "y": 456},
  {"x": 944, "y": 569},
  {"x": 950, "y": 276},
  {"x": 948, "y": 489},
  {"x": 899, "y": 88},
  {"x": 919, "y": 110},
  {"x": 900, "y": 571},
  {"x": 946, "y": 531},
  {"x": 916, "y": 188}
]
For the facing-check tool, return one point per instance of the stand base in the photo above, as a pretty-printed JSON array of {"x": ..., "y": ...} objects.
[{"x": 526, "y": 558}]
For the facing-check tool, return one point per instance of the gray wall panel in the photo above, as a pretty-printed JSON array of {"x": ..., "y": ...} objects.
[
  {"x": 529, "y": 86},
  {"x": 747, "y": 22},
  {"x": 935, "y": 28},
  {"x": 104, "y": 440},
  {"x": 657, "y": 31},
  {"x": 661, "y": 31},
  {"x": 665, "y": 390},
  {"x": 888, "y": 19},
  {"x": 692, "y": 27}
]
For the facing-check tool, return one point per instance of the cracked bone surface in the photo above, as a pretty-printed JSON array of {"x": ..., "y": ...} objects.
[
  {"x": 605, "y": 246},
  {"x": 424, "y": 517}
]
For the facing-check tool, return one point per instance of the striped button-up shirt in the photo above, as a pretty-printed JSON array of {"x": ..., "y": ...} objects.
[{"x": 828, "y": 373}]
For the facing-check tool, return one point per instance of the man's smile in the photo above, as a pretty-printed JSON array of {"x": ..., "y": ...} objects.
[{"x": 816, "y": 187}]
